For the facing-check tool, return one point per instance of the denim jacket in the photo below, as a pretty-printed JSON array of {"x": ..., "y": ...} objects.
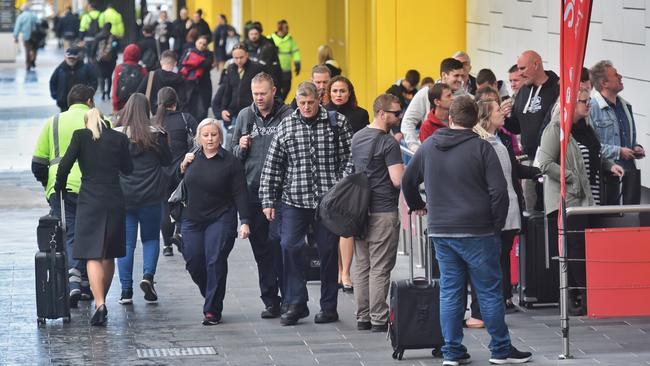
[{"x": 605, "y": 123}]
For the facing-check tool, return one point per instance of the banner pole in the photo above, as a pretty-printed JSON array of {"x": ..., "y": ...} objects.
[{"x": 564, "y": 287}]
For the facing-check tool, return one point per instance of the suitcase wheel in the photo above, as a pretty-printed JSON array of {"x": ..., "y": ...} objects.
[
  {"x": 40, "y": 321},
  {"x": 436, "y": 353},
  {"x": 528, "y": 305},
  {"x": 398, "y": 354}
]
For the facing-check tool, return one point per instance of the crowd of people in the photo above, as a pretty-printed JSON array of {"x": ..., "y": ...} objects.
[{"x": 161, "y": 165}]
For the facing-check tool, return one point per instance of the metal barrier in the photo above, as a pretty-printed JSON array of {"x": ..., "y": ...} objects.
[{"x": 564, "y": 274}]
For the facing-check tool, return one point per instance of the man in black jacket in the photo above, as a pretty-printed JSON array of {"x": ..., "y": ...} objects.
[
  {"x": 165, "y": 76},
  {"x": 534, "y": 100},
  {"x": 179, "y": 31},
  {"x": 149, "y": 49},
  {"x": 70, "y": 72},
  {"x": 237, "y": 85},
  {"x": 68, "y": 28},
  {"x": 467, "y": 191},
  {"x": 251, "y": 139}
]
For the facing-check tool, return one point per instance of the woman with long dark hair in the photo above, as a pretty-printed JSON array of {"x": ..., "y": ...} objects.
[
  {"x": 99, "y": 225},
  {"x": 144, "y": 192},
  {"x": 340, "y": 93},
  {"x": 180, "y": 128}
]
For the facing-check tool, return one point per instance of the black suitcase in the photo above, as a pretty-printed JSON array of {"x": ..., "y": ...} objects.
[
  {"x": 52, "y": 293},
  {"x": 312, "y": 272},
  {"x": 539, "y": 278},
  {"x": 414, "y": 320}
]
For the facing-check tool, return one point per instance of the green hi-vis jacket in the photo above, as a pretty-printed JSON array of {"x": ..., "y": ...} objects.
[
  {"x": 287, "y": 50},
  {"x": 53, "y": 143}
]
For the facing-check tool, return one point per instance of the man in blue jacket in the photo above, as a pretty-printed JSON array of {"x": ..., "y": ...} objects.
[
  {"x": 25, "y": 24},
  {"x": 70, "y": 72},
  {"x": 467, "y": 191}
]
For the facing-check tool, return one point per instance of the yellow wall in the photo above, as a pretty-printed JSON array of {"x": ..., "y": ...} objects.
[
  {"x": 211, "y": 9},
  {"x": 374, "y": 41}
]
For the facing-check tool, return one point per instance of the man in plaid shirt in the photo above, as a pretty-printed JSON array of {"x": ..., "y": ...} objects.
[{"x": 309, "y": 153}]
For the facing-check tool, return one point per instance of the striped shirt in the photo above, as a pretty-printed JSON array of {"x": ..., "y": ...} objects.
[
  {"x": 303, "y": 161},
  {"x": 595, "y": 187}
]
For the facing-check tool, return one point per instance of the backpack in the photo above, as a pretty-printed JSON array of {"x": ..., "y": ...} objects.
[
  {"x": 93, "y": 27},
  {"x": 344, "y": 208},
  {"x": 105, "y": 50},
  {"x": 128, "y": 81},
  {"x": 150, "y": 59}
]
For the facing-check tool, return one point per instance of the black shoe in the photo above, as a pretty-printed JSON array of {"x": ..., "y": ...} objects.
[
  {"x": 283, "y": 308},
  {"x": 211, "y": 319},
  {"x": 326, "y": 317},
  {"x": 348, "y": 289},
  {"x": 364, "y": 326},
  {"x": 168, "y": 251},
  {"x": 510, "y": 307},
  {"x": 462, "y": 360},
  {"x": 514, "y": 357},
  {"x": 126, "y": 298},
  {"x": 271, "y": 312},
  {"x": 86, "y": 293},
  {"x": 379, "y": 328},
  {"x": 294, "y": 313},
  {"x": 100, "y": 316},
  {"x": 147, "y": 286},
  {"x": 75, "y": 295},
  {"x": 177, "y": 240}
]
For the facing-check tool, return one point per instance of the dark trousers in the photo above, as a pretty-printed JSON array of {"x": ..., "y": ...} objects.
[
  {"x": 30, "y": 54},
  {"x": 167, "y": 227},
  {"x": 265, "y": 241},
  {"x": 206, "y": 249},
  {"x": 70, "y": 201},
  {"x": 575, "y": 248},
  {"x": 294, "y": 224},
  {"x": 285, "y": 84}
]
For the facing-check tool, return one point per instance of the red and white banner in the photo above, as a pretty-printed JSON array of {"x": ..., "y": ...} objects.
[{"x": 573, "y": 41}]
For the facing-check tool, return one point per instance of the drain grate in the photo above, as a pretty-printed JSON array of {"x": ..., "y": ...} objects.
[{"x": 175, "y": 352}]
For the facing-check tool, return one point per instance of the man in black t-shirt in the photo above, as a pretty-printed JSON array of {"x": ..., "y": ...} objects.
[{"x": 376, "y": 253}]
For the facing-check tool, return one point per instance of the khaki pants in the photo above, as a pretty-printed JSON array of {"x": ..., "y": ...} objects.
[{"x": 375, "y": 258}]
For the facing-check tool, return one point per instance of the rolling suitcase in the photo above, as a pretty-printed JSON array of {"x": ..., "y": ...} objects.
[
  {"x": 539, "y": 279},
  {"x": 52, "y": 294},
  {"x": 414, "y": 317}
]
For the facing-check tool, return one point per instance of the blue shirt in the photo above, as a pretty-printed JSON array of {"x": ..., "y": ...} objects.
[{"x": 624, "y": 128}]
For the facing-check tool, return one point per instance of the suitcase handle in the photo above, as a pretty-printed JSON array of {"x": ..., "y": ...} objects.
[{"x": 427, "y": 254}]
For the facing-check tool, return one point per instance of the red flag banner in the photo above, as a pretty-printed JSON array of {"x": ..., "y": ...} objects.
[{"x": 573, "y": 41}]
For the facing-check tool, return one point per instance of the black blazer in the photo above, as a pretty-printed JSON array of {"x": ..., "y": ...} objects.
[{"x": 237, "y": 93}]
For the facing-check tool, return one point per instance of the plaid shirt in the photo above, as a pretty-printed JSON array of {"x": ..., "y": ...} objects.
[{"x": 302, "y": 163}]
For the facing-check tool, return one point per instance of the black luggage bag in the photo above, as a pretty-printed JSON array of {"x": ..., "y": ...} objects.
[
  {"x": 539, "y": 279},
  {"x": 52, "y": 293},
  {"x": 414, "y": 320}
]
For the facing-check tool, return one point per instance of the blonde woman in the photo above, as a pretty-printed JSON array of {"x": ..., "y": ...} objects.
[
  {"x": 326, "y": 57},
  {"x": 100, "y": 221},
  {"x": 216, "y": 190}
]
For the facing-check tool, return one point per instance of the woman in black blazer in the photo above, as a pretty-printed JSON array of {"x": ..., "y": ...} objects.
[
  {"x": 340, "y": 93},
  {"x": 100, "y": 222}
]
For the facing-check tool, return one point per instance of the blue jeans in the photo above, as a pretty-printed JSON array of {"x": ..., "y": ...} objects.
[
  {"x": 479, "y": 258},
  {"x": 149, "y": 219},
  {"x": 294, "y": 224},
  {"x": 206, "y": 246},
  {"x": 70, "y": 201}
]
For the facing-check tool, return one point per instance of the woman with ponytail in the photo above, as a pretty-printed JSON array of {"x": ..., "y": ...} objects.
[
  {"x": 102, "y": 154},
  {"x": 144, "y": 193},
  {"x": 180, "y": 128}
]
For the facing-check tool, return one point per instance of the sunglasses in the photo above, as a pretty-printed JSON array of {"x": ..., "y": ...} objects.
[
  {"x": 397, "y": 114},
  {"x": 585, "y": 101}
]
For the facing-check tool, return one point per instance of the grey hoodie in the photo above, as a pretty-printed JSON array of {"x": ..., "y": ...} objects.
[{"x": 250, "y": 122}]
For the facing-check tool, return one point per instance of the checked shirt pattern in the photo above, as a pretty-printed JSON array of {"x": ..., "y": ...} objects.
[{"x": 303, "y": 162}]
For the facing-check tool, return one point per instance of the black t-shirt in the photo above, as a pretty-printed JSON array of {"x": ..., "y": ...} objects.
[{"x": 384, "y": 195}]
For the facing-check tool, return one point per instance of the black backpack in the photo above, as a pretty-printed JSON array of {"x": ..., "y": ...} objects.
[
  {"x": 344, "y": 208},
  {"x": 128, "y": 81},
  {"x": 93, "y": 27},
  {"x": 150, "y": 59}
]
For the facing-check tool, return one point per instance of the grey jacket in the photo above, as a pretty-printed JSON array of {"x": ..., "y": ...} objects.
[
  {"x": 548, "y": 157},
  {"x": 249, "y": 122}
]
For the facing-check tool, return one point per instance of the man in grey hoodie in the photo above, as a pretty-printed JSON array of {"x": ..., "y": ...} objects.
[
  {"x": 467, "y": 191},
  {"x": 251, "y": 139}
]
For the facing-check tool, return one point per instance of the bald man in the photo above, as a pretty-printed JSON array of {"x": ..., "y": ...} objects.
[{"x": 534, "y": 100}]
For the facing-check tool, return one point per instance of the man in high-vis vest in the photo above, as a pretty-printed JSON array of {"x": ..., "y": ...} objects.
[
  {"x": 50, "y": 148},
  {"x": 287, "y": 52}
]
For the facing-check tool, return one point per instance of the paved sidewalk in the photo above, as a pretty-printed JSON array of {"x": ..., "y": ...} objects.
[{"x": 170, "y": 331}]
